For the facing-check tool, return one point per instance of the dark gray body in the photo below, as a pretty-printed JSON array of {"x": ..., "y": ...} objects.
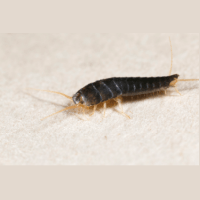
[{"x": 106, "y": 89}]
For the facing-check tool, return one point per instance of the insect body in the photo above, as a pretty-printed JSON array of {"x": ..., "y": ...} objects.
[
  {"x": 111, "y": 88},
  {"x": 114, "y": 88}
]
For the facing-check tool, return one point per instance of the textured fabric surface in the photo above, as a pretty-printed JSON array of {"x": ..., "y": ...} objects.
[{"x": 163, "y": 129}]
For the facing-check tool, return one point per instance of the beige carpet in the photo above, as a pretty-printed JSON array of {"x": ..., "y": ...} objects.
[{"x": 163, "y": 130}]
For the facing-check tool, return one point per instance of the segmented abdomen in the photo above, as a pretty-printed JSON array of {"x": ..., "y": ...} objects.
[{"x": 106, "y": 89}]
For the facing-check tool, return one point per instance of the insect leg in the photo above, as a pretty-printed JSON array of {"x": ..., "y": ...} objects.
[
  {"x": 163, "y": 92},
  {"x": 104, "y": 105},
  {"x": 95, "y": 107},
  {"x": 84, "y": 113},
  {"x": 121, "y": 107}
]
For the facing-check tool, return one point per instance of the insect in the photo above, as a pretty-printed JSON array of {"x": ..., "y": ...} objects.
[{"x": 113, "y": 88}]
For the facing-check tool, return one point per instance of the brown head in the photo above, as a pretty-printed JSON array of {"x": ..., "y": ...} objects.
[{"x": 78, "y": 98}]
